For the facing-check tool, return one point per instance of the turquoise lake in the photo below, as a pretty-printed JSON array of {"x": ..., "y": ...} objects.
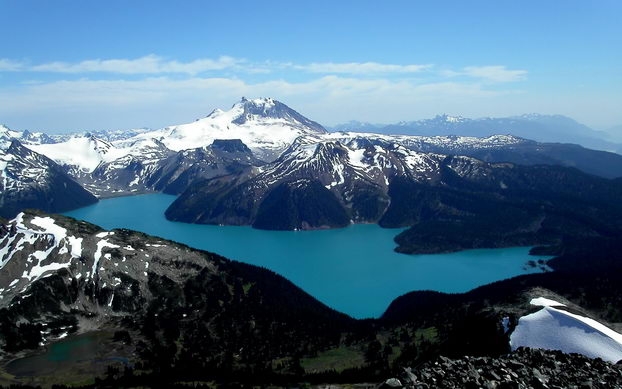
[{"x": 353, "y": 269}]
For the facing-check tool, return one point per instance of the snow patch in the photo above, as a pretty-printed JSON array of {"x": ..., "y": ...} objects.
[
  {"x": 556, "y": 329},
  {"x": 98, "y": 252},
  {"x": 544, "y": 302},
  {"x": 356, "y": 157},
  {"x": 48, "y": 224}
]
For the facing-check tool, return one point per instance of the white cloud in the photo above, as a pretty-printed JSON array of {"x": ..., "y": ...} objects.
[
  {"x": 361, "y": 68},
  {"x": 495, "y": 73},
  {"x": 8, "y": 65},
  {"x": 161, "y": 92},
  {"x": 153, "y": 64},
  {"x": 156, "y": 65},
  {"x": 150, "y": 64}
]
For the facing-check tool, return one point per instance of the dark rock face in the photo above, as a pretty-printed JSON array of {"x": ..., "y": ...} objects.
[
  {"x": 505, "y": 206},
  {"x": 525, "y": 368},
  {"x": 601, "y": 163},
  {"x": 303, "y": 204},
  {"x": 32, "y": 180},
  {"x": 176, "y": 173},
  {"x": 230, "y": 146}
]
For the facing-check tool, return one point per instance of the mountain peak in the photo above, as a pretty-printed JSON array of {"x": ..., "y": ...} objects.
[
  {"x": 258, "y": 102},
  {"x": 449, "y": 119},
  {"x": 262, "y": 108}
]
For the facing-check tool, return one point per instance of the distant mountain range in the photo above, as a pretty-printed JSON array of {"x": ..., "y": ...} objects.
[
  {"x": 261, "y": 158},
  {"x": 540, "y": 128}
]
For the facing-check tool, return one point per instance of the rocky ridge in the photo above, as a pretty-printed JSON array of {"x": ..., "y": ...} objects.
[{"x": 522, "y": 369}]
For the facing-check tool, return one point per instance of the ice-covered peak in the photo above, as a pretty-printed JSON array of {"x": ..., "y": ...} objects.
[
  {"x": 257, "y": 110},
  {"x": 265, "y": 125},
  {"x": 449, "y": 119},
  {"x": 261, "y": 102}
]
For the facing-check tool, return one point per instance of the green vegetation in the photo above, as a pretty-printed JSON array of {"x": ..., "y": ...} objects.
[{"x": 337, "y": 359}]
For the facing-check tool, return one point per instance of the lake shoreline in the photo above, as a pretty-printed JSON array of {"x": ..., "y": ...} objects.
[{"x": 354, "y": 270}]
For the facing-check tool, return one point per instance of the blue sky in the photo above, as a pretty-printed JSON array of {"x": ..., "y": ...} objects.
[{"x": 84, "y": 65}]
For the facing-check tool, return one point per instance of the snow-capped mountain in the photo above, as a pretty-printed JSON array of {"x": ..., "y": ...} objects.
[
  {"x": 113, "y": 163},
  {"x": 150, "y": 166},
  {"x": 31, "y": 180},
  {"x": 25, "y": 137},
  {"x": 36, "y": 246},
  {"x": 265, "y": 125},
  {"x": 119, "y": 135},
  {"x": 358, "y": 158},
  {"x": 80, "y": 154},
  {"x": 126, "y": 169},
  {"x": 110, "y": 163},
  {"x": 350, "y": 179},
  {"x": 504, "y": 148},
  {"x": 323, "y": 182}
]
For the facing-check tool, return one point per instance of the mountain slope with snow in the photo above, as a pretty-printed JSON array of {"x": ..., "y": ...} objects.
[
  {"x": 265, "y": 125},
  {"x": 31, "y": 180},
  {"x": 81, "y": 154},
  {"x": 111, "y": 163},
  {"x": 60, "y": 277},
  {"x": 141, "y": 160},
  {"x": 504, "y": 148},
  {"x": 555, "y": 328},
  {"x": 353, "y": 179}
]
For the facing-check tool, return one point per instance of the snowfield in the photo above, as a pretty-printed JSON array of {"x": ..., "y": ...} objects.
[{"x": 554, "y": 328}]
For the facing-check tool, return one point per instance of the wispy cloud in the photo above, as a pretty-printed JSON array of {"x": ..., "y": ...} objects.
[
  {"x": 496, "y": 73},
  {"x": 360, "y": 68},
  {"x": 155, "y": 91},
  {"x": 153, "y": 65},
  {"x": 150, "y": 64},
  {"x": 7, "y": 65}
]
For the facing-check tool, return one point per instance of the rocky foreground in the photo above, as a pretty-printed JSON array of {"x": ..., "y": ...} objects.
[{"x": 524, "y": 368}]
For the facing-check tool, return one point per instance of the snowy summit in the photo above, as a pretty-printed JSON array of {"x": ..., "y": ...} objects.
[{"x": 265, "y": 125}]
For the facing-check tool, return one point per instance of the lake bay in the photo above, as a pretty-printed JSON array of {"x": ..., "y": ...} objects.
[{"x": 353, "y": 270}]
